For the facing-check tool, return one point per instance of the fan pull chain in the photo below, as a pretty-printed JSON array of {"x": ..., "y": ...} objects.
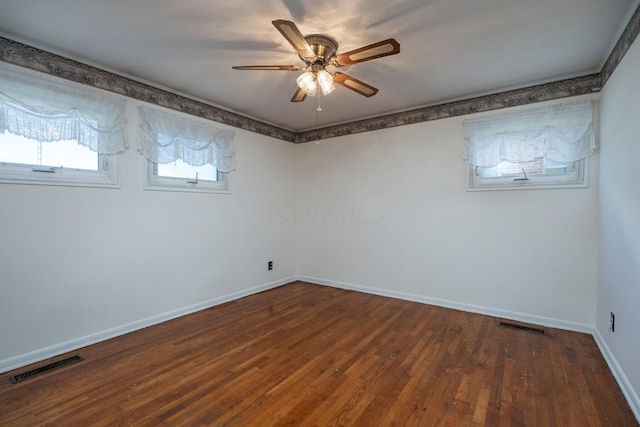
[
  {"x": 318, "y": 109},
  {"x": 317, "y": 141}
]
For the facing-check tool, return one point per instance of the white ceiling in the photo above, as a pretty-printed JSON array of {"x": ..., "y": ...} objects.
[{"x": 450, "y": 49}]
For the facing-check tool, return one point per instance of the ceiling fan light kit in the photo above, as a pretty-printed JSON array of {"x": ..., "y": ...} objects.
[
  {"x": 309, "y": 81},
  {"x": 319, "y": 52}
]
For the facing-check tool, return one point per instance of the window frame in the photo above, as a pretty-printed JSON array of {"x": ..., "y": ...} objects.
[
  {"x": 23, "y": 173},
  {"x": 578, "y": 178},
  {"x": 154, "y": 182}
]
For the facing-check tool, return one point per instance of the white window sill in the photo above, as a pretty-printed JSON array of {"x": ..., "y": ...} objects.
[{"x": 188, "y": 189}]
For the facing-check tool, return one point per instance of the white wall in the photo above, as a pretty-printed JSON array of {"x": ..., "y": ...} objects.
[
  {"x": 387, "y": 212},
  {"x": 80, "y": 264},
  {"x": 618, "y": 288}
]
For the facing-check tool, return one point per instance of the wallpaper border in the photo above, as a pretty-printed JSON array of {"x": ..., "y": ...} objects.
[{"x": 627, "y": 38}]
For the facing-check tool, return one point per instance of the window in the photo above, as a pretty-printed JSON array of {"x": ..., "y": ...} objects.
[
  {"x": 57, "y": 132},
  {"x": 546, "y": 147},
  {"x": 184, "y": 154},
  {"x": 540, "y": 172},
  {"x": 24, "y": 160},
  {"x": 182, "y": 176}
]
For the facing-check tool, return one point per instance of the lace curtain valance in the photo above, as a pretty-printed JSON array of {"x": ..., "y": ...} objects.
[
  {"x": 166, "y": 137},
  {"x": 47, "y": 109},
  {"x": 562, "y": 132}
]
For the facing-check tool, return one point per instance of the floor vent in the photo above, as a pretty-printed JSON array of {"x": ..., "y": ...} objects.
[
  {"x": 522, "y": 327},
  {"x": 32, "y": 373}
]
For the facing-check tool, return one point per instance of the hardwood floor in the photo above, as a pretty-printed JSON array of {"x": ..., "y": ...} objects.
[{"x": 308, "y": 355}]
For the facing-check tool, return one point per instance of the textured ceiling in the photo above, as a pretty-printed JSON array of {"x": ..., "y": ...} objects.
[{"x": 450, "y": 49}]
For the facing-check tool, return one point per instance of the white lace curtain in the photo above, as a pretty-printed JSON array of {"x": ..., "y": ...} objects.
[
  {"x": 562, "y": 132},
  {"x": 166, "y": 137},
  {"x": 47, "y": 109}
]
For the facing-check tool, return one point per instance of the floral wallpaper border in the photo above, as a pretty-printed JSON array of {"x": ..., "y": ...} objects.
[{"x": 627, "y": 38}]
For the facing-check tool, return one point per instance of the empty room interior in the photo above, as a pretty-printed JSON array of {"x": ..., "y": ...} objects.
[{"x": 304, "y": 212}]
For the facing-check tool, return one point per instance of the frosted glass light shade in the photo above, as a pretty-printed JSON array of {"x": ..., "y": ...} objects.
[
  {"x": 307, "y": 82},
  {"x": 325, "y": 80}
]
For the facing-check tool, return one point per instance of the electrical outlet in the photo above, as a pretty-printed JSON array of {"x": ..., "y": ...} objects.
[
  {"x": 612, "y": 322},
  {"x": 270, "y": 265}
]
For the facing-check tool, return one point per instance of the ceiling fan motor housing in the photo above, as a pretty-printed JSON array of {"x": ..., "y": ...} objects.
[{"x": 324, "y": 47}]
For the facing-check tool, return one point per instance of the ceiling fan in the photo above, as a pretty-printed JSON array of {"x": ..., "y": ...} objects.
[{"x": 319, "y": 52}]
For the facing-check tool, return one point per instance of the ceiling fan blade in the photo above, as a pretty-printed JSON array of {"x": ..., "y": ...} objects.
[
  {"x": 267, "y": 67},
  {"x": 367, "y": 53},
  {"x": 298, "y": 96},
  {"x": 354, "y": 84},
  {"x": 290, "y": 32}
]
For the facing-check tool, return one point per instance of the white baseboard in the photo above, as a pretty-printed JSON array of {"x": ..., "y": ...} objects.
[
  {"x": 494, "y": 312},
  {"x": 628, "y": 391},
  {"x": 65, "y": 347}
]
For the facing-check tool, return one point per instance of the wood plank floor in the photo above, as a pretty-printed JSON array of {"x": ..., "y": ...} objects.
[{"x": 308, "y": 355}]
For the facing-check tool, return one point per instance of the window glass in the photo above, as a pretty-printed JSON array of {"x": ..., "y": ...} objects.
[
  {"x": 67, "y": 154},
  {"x": 180, "y": 169},
  {"x": 537, "y": 167},
  {"x": 65, "y": 162}
]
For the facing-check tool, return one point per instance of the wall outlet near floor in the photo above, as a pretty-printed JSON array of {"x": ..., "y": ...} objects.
[
  {"x": 611, "y": 324},
  {"x": 269, "y": 265}
]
